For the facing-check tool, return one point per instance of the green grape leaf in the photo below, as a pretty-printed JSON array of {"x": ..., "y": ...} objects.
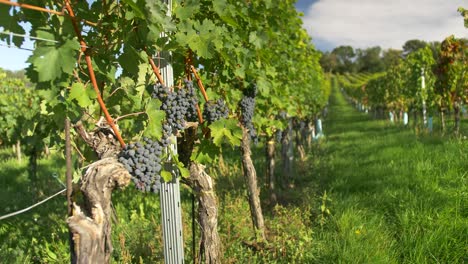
[
  {"x": 82, "y": 95},
  {"x": 206, "y": 152},
  {"x": 186, "y": 11},
  {"x": 226, "y": 129},
  {"x": 18, "y": 41},
  {"x": 255, "y": 40},
  {"x": 166, "y": 175},
  {"x": 5, "y": 17},
  {"x": 136, "y": 9},
  {"x": 155, "y": 118},
  {"x": 131, "y": 59},
  {"x": 50, "y": 61}
]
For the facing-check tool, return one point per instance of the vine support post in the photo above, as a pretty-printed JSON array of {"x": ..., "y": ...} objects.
[
  {"x": 423, "y": 91},
  {"x": 171, "y": 212}
]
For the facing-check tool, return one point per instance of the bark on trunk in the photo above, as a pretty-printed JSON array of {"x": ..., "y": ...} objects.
[
  {"x": 18, "y": 151},
  {"x": 456, "y": 109},
  {"x": 300, "y": 146},
  {"x": 442, "y": 120},
  {"x": 287, "y": 154},
  {"x": 250, "y": 177},
  {"x": 284, "y": 157},
  {"x": 270, "y": 170},
  {"x": 203, "y": 186},
  {"x": 415, "y": 117},
  {"x": 310, "y": 134},
  {"x": 33, "y": 165},
  {"x": 91, "y": 225}
]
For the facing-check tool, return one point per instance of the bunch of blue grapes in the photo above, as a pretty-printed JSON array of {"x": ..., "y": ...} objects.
[
  {"x": 143, "y": 161},
  {"x": 179, "y": 106},
  {"x": 191, "y": 97},
  {"x": 215, "y": 110},
  {"x": 247, "y": 106}
]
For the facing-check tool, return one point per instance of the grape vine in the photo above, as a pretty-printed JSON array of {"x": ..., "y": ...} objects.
[
  {"x": 247, "y": 107},
  {"x": 215, "y": 110},
  {"x": 144, "y": 162}
]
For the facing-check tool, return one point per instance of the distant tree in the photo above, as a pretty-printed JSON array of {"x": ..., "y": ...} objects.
[
  {"x": 413, "y": 45},
  {"x": 391, "y": 57},
  {"x": 435, "y": 46},
  {"x": 369, "y": 60},
  {"x": 345, "y": 58},
  {"x": 329, "y": 62},
  {"x": 464, "y": 13}
]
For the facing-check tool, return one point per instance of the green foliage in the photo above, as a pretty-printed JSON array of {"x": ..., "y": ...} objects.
[
  {"x": 464, "y": 13},
  {"x": 451, "y": 71}
]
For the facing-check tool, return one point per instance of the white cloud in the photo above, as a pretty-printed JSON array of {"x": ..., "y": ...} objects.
[{"x": 386, "y": 23}]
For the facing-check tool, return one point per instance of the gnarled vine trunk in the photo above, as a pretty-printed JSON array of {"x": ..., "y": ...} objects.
[
  {"x": 17, "y": 149},
  {"x": 310, "y": 134},
  {"x": 287, "y": 154},
  {"x": 442, "y": 120},
  {"x": 299, "y": 145},
  {"x": 456, "y": 109},
  {"x": 270, "y": 169},
  {"x": 203, "y": 187},
  {"x": 91, "y": 223},
  {"x": 250, "y": 177}
]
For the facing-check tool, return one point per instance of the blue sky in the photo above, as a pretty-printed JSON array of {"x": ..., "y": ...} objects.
[{"x": 359, "y": 23}]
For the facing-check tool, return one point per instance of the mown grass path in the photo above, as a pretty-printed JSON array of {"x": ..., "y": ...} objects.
[{"x": 395, "y": 197}]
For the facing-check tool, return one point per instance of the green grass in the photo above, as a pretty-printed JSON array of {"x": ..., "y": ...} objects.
[
  {"x": 396, "y": 197},
  {"x": 370, "y": 192}
]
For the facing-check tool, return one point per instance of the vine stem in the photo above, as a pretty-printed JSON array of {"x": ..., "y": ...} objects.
[
  {"x": 91, "y": 73},
  {"x": 199, "y": 81},
  {"x": 188, "y": 64},
  {"x": 41, "y": 9},
  {"x": 127, "y": 115},
  {"x": 32, "y": 7},
  {"x": 155, "y": 69}
]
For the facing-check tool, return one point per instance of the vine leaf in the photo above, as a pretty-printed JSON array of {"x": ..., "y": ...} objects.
[
  {"x": 84, "y": 97},
  {"x": 50, "y": 61},
  {"x": 167, "y": 176},
  {"x": 155, "y": 118},
  {"x": 226, "y": 129},
  {"x": 136, "y": 9},
  {"x": 186, "y": 11}
]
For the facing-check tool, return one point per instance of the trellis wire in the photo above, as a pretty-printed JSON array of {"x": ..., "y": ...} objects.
[{"x": 32, "y": 206}]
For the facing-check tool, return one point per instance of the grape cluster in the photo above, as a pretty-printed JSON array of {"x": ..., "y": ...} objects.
[
  {"x": 191, "y": 97},
  {"x": 215, "y": 110},
  {"x": 247, "y": 106},
  {"x": 143, "y": 162},
  {"x": 179, "y": 106}
]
